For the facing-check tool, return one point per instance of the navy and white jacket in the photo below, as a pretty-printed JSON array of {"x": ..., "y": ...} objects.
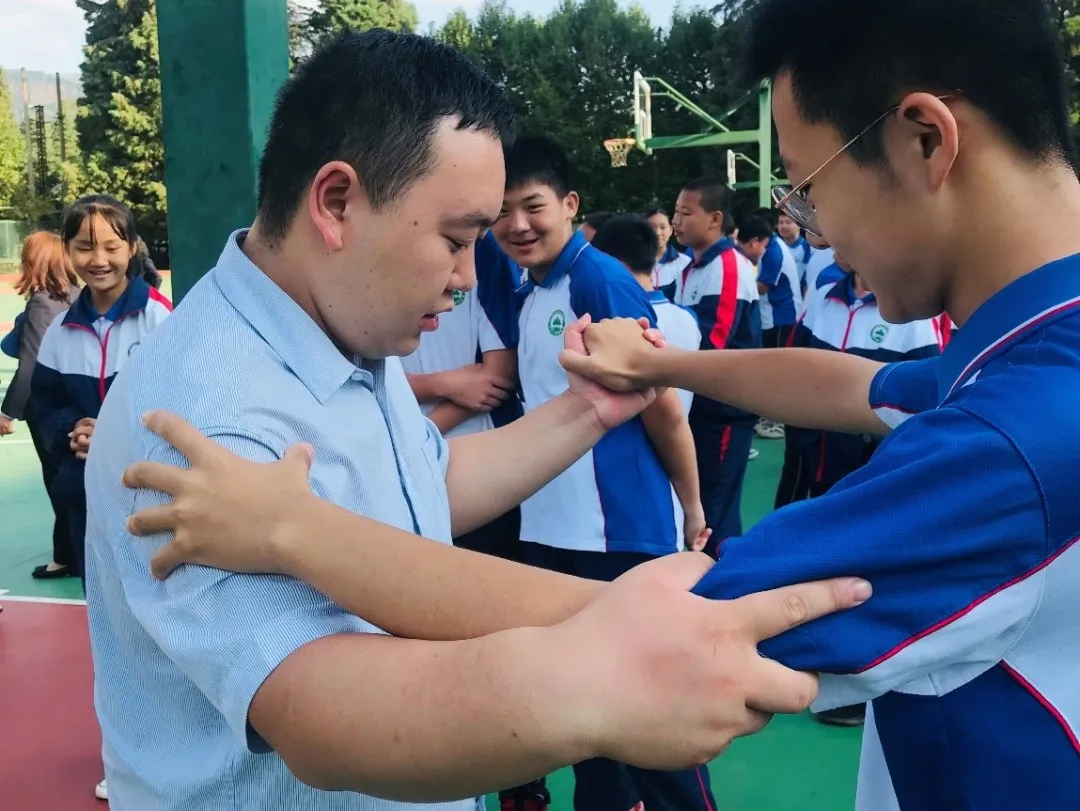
[
  {"x": 836, "y": 319},
  {"x": 668, "y": 268},
  {"x": 778, "y": 271},
  {"x": 79, "y": 357},
  {"x": 720, "y": 287}
]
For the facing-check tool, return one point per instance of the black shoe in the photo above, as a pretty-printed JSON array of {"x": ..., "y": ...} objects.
[
  {"x": 43, "y": 572},
  {"x": 854, "y": 716}
]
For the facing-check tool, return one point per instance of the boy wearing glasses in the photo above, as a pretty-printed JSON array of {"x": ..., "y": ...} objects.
[{"x": 900, "y": 141}]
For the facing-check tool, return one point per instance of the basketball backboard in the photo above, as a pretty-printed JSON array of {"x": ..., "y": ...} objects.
[{"x": 642, "y": 112}]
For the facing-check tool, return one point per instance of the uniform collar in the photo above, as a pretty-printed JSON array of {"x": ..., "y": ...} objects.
[
  {"x": 657, "y": 297},
  {"x": 302, "y": 346},
  {"x": 567, "y": 256},
  {"x": 1008, "y": 317},
  {"x": 710, "y": 253},
  {"x": 670, "y": 255},
  {"x": 132, "y": 300},
  {"x": 844, "y": 290}
]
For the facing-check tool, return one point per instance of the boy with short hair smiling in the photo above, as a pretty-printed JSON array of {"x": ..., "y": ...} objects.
[{"x": 612, "y": 509}]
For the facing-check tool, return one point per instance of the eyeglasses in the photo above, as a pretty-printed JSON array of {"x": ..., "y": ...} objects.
[{"x": 795, "y": 202}]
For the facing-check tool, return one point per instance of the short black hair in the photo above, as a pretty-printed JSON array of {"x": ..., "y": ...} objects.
[
  {"x": 715, "y": 194},
  {"x": 536, "y": 159},
  {"x": 1002, "y": 55},
  {"x": 652, "y": 212},
  {"x": 754, "y": 228},
  {"x": 373, "y": 100},
  {"x": 630, "y": 239},
  {"x": 597, "y": 219},
  {"x": 770, "y": 215}
]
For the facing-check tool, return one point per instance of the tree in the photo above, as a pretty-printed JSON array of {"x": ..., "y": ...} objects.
[
  {"x": 12, "y": 149},
  {"x": 334, "y": 16},
  {"x": 119, "y": 123}
]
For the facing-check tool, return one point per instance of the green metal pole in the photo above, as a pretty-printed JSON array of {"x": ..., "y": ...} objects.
[
  {"x": 765, "y": 145},
  {"x": 222, "y": 62}
]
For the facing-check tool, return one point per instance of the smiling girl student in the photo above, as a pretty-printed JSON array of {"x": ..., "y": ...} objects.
[{"x": 84, "y": 348}]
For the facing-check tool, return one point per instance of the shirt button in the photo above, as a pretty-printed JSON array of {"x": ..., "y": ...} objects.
[{"x": 358, "y": 376}]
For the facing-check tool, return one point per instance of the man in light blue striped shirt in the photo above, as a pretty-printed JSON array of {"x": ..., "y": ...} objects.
[{"x": 220, "y": 691}]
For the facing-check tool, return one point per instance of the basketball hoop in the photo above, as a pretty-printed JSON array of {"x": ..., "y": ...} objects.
[{"x": 619, "y": 149}]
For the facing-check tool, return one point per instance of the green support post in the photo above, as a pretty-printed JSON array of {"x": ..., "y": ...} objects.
[
  {"x": 765, "y": 146},
  {"x": 222, "y": 62}
]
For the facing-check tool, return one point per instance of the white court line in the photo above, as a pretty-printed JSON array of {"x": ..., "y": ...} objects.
[
  {"x": 4, "y": 442},
  {"x": 52, "y": 600}
]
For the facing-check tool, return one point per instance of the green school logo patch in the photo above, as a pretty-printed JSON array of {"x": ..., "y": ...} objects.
[
  {"x": 557, "y": 323},
  {"x": 459, "y": 297},
  {"x": 878, "y": 333}
]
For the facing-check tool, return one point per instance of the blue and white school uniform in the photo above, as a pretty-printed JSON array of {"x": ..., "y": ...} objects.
[
  {"x": 966, "y": 521},
  {"x": 668, "y": 268},
  {"x": 720, "y": 287},
  {"x": 483, "y": 320},
  {"x": 838, "y": 320},
  {"x": 80, "y": 356},
  {"x": 782, "y": 302},
  {"x": 612, "y": 509}
]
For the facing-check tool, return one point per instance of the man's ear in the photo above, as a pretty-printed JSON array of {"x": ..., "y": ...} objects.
[{"x": 334, "y": 194}]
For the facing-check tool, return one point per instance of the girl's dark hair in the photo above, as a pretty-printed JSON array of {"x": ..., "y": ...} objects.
[
  {"x": 115, "y": 213},
  {"x": 122, "y": 222},
  {"x": 657, "y": 210}
]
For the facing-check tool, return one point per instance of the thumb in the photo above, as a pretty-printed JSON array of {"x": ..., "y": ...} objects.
[
  {"x": 298, "y": 458},
  {"x": 682, "y": 570}
]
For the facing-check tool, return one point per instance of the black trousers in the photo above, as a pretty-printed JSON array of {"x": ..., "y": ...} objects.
[{"x": 63, "y": 551}]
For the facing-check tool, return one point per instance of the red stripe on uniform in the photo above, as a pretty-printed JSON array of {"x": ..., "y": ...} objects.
[
  {"x": 729, "y": 300},
  {"x": 161, "y": 298}
]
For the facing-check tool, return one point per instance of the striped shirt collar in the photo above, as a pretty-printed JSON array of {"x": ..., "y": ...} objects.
[{"x": 304, "y": 348}]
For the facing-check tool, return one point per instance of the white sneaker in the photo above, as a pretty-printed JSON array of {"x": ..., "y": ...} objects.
[
  {"x": 101, "y": 791},
  {"x": 769, "y": 430}
]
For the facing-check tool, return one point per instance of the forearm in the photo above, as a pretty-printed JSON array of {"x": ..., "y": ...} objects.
[
  {"x": 669, "y": 432},
  {"x": 480, "y": 715},
  {"x": 428, "y": 387},
  {"x": 448, "y": 415},
  {"x": 809, "y": 388},
  {"x": 494, "y": 471},
  {"x": 410, "y": 586}
]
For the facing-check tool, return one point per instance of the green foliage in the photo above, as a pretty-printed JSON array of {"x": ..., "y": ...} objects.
[
  {"x": 119, "y": 122},
  {"x": 12, "y": 150},
  {"x": 333, "y": 16}
]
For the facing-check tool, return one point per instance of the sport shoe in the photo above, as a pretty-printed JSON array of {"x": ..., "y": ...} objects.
[
  {"x": 769, "y": 430},
  {"x": 101, "y": 791},
  {"x": 853, "y": 716}
]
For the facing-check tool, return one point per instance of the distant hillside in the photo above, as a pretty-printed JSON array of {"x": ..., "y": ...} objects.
[{"x": 42, "y": 88}]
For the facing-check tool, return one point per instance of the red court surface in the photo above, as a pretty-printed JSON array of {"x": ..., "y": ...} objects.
[{"x": 50, "y": 745}]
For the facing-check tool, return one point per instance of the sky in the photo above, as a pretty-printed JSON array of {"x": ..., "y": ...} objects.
[{"x": 48, "y": 35}]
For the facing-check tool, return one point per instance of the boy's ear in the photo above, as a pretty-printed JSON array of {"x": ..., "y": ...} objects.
[{"x": 572, "y": 203}]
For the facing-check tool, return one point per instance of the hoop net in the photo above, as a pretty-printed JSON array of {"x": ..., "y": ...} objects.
[{"x": 619, "y": 149}]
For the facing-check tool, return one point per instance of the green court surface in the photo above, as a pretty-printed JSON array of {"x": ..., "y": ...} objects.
[{"x": 795, "y": 764}]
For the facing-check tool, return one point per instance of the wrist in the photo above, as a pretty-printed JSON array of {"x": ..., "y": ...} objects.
[
  {"x": 550, "y": 683},
  {"x": 662, "y": 368},
  {"x": 580, "y": 412},
  {"x": 284, "y": 549}
]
